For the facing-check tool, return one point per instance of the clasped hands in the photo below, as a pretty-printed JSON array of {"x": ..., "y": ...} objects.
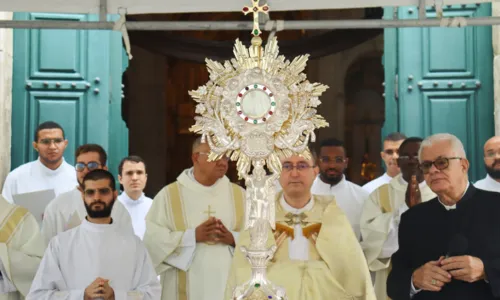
[
  {"x": 214, "y": 231},
  {"x": 435, "y": 274},
  {"x": 99, "y": 289}
]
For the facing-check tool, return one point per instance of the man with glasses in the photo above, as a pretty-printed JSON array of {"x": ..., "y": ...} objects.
[
  {"x": 350, "y": 197},
  {"x": 67, "y": 210},
  {"x": 49, "y": 171},
  {"x": 192, "y": 228},
  {"x": 492, "y": 164},
  {"x": 449, "y": 247},
  {"x": 389, "y": 155},
  {"x": 96, "y": 260},
  {"x": 382, "y": 213},
  {"x": 318, "y": 256}
]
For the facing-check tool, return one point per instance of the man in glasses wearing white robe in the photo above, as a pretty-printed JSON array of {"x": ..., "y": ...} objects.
[{"x": 67, "y": 210}]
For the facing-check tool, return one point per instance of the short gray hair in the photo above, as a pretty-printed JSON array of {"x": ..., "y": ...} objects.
[{"x": 456, "y": 144}]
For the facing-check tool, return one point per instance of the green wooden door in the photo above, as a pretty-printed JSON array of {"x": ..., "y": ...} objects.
[
  {"x": 72, "y": 77},
  {"x": 441, "y": 80}
]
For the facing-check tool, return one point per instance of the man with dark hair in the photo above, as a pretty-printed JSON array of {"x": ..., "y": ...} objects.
[
  {"x": 133, "y": 177},
  {"x": 389, "y": 155},
  {"x": 492, "y": 164},
  {"x": 96, "y": 260},
  {"x": 48, "y": 172},
  {"x": 382, "y": 212},
  {"x": 67, "y": 210},
  {"x": 350, "y": 197}
]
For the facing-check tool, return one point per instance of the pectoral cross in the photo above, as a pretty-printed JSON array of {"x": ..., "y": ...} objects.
[
  {"x": 209, "y": 212},
  {"x": 255, "y": 9}
]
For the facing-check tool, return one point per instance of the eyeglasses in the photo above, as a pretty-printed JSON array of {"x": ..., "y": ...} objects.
[
  {"x": 391, "y": 151},
  {"x": 301, "y": 166},
  {"x": 101, "y": 191},
  {"x": 491, "y": 154},
  {"x": 50, "y": 141},
  {"x": 441, "y": 163},
  {"x": 327, "y": 160},
  {"x": 407, "y": 158},
  {"x": 93, "y": 165},
  {"x": 207, "y": 154}
]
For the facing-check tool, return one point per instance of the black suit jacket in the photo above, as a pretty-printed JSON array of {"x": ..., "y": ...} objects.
[{"x": 424, "y": 235}]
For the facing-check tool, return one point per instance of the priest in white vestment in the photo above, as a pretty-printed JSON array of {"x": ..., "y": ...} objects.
[
  {"x": 133, "y": 178},
  {"x": 68, "y": 210},
  {"x": 318, "y": 256},
  {"x": 21, "y": 250},
  {"x": 382, "y": 213},
  {"x": 96, "y": 260},
  {"x": 350, "y": 197},
  {"x": 49, "y": 172},
  {"x": 492, "y": 164},
  {"x": 192, "y": 227},
  {"x": 389, "y": 155}
]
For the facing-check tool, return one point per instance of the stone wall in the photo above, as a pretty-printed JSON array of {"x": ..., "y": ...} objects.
[{"x": 6, "y": 58}]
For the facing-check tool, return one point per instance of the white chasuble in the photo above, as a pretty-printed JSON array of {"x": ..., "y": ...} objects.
[
  {"x": 379, "y": 227},
  {"x": 75, "y": 258},
  {"x": 488, "y": 184},
  {"x": 376, "y": 183},
  {"x": 190, "y": 270},
  {"x": 138, "y": 209},
  {"x": 350, "y": 198},
  {"x": 21, "y": 250},
  {"x": 34, "y": 176},
  {"x": 67, "y": 211}
]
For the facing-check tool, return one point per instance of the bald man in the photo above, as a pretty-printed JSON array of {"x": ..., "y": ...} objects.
[
  {"x": 192, "y": 228},
  {"x": 492, "y": 163}
]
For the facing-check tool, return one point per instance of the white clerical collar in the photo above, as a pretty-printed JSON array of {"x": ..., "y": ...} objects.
[
  {"x": 492, "y": 181},
  {"x": 129, "y": 201},
  {"x": 50, "y": 172},
  {"x": 294, "y": 210},
  {"x": 190, "y": 174},
  {"x": 403, "y": 182},
  {"x": 454, "y": 206},
  {"x": 97, "y": 227}
]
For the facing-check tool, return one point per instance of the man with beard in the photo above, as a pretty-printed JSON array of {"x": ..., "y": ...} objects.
[
  {"x": 96, "y": 260},
  {"x": 192, "y": 227},
  {"x": 382, "y": 212},
  {"x": 389, "y": 155},
  {"x": 350, "y": 197},
  {"x": 49, "y": 171},
  {"x": 67, "y": 210},
  {"x": 492, "y": 163}
]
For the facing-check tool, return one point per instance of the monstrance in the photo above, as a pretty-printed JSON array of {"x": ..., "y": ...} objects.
[{"x": 256, "y": 109}]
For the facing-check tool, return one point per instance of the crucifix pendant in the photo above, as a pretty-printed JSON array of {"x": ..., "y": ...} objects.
[{"x": 255, "y": 9}]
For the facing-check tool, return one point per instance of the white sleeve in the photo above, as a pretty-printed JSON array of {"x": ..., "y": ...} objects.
[
  {"x": 49, "y": 282},
  {"x": 6, "y": 286},
  {"x": 7, "y": 188},
  {"x": 236, "y": 236},
  {"x": 413, "y": 290},
  {"x": 145, "y": 283},
  {"x": 391, "y": 243},
  {"x": 183, "y": 256}
]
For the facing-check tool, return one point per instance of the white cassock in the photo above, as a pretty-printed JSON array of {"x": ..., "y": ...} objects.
[
  {"x": 350, "y": 198},
  {"x": 75, "y": 258},
  {"x": 138, "y": 209},
  {"x": 34, "y": 176},
  {"x": 379, "y": 227},
  {"x": 488, "y": 184},
  {"x": 67, "y": 211},
  {"x": 191, "y": 270},
  {"x": 21, "y": 250},
  {"x": 376, "y": 183}
]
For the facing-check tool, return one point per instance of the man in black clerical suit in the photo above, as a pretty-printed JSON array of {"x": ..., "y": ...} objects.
[{"x": 449, "y": 247}]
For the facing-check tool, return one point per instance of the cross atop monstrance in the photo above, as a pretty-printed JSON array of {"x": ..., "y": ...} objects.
[{"x": 255, "y": 9}]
